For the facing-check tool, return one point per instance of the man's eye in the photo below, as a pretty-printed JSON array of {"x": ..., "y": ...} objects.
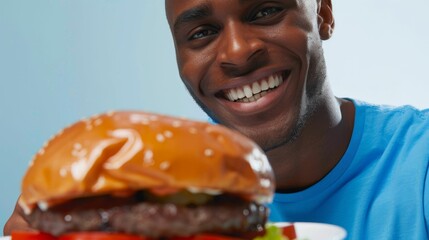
[
  {"x": 266, "y": 12},
  {"x": 202, "y": 34}
]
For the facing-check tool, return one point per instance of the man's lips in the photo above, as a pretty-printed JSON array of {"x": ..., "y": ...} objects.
[
  {"x": 253, "y": 91},
  {"x": 254, "y": 97}
]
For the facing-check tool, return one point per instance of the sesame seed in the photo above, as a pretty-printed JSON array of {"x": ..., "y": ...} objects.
[
  {"x": 164, "y": 165},
  {"x": 168, "y": 134},
  {"x": 41, "y": 151},
  {"x": 95, "y": 116},
  {"x": 176, "y": 123},
  {"x": 139, "y": 119},
  {"x": 160, "y": 138},
  {"x": 148, "y": 157},
  {"x": 208, "y": 152},
  {"x": 98, "y": 122},
  {"x": 193, "y": 130},
  {"x": 60, "y": 133}
]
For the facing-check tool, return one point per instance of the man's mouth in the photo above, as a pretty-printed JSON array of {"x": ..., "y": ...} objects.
[{"x": 256, "y": 90}]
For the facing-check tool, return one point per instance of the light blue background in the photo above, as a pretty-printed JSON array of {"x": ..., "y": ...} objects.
[{"x": 61, "y": 60}]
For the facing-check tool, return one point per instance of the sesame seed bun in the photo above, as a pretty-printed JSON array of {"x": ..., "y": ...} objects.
[{"x": 124, "y": 152}]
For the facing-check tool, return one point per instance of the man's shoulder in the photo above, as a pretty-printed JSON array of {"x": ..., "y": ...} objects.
[
  {"x": 405, "y": 114},
  {"x": 384, "y": 124}
]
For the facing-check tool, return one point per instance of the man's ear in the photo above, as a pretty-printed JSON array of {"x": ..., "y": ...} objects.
[{"x": 325, "y": 19}]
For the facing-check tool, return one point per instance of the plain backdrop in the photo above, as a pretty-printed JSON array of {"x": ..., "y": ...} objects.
[{"x": 61, "y": 60}]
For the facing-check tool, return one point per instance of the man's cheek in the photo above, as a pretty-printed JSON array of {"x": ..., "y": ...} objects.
[
  {"x": 187, "y": 73},
  {"x": 296, "y": 41},
  {"x": 194, "y": 68}
]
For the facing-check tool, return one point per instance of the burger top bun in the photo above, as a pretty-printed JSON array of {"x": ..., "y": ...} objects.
[{"x": 123, "y": 152}]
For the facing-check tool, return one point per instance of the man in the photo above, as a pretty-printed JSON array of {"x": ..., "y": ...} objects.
[{"x": 258, "y": 66}]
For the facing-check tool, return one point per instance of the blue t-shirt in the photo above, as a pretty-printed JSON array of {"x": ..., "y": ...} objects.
[{"x": 380, "y": 188}]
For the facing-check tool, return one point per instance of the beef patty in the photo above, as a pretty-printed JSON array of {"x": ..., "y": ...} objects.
[{"x": 222, "y": 214}]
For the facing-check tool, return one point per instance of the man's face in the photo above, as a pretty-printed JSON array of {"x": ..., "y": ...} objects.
[{"x": 253, "y": 65}]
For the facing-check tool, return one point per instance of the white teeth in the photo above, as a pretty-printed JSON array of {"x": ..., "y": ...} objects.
[
  {"x": 240, "y": 93},
  {"x": 251, "y": 93},
  {"x": 271, "y": 82},
  {"x": 228, "y": 95},
  {"x": 234, "y": 94},
  {"x": 247, "y": 91},
  {"x": 264, "y": 85},
  {"x": 256, "y": 88},
  {"x": 277, "y": 80}
]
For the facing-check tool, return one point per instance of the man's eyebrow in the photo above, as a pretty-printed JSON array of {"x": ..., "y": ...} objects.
[{"x": 193, "y": 14}]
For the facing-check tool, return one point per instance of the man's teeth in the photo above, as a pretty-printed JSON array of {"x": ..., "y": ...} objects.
[{"x": 251, "y": 93}]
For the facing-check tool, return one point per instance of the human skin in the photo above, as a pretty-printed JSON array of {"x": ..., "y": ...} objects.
[
  {"x": 227, "y": 44},
  {"x": 223, "y": 44}
]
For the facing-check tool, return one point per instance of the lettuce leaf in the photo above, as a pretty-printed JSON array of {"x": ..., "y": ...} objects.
[{"x": 272, "y": 233}]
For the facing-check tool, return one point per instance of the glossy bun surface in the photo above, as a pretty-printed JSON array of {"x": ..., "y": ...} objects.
[{"x": 122, "y": 152}]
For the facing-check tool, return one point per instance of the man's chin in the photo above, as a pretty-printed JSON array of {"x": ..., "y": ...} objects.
[
  {"x": 274, "y": 134},
  {"x": 269, "y": 134},
  {"x": 275, "y": 139}
]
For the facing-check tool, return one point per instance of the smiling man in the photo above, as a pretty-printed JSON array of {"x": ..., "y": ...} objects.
[{"x": 258, "y": 66}]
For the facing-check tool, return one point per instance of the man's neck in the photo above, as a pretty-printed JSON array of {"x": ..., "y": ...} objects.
[{"x": 320, "y": 146}]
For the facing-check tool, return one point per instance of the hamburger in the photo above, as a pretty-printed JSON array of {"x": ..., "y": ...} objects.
[{"x": 148, "y": 175}]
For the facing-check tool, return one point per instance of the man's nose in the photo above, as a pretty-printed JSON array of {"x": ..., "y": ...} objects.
[{"x": 240, "y": 51}]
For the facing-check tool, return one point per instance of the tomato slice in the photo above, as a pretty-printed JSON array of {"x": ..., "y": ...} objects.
[
  {"x": 100, "y": 236},
  {"x": 289, "y": 231},
  {"x": 22, "y": 235},
  {"x": 286, "y": 230},
  {"x": 205, "y": 237}
]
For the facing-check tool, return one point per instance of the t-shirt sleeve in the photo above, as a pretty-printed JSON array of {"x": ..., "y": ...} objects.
[{"x": 426, "y": 196}]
